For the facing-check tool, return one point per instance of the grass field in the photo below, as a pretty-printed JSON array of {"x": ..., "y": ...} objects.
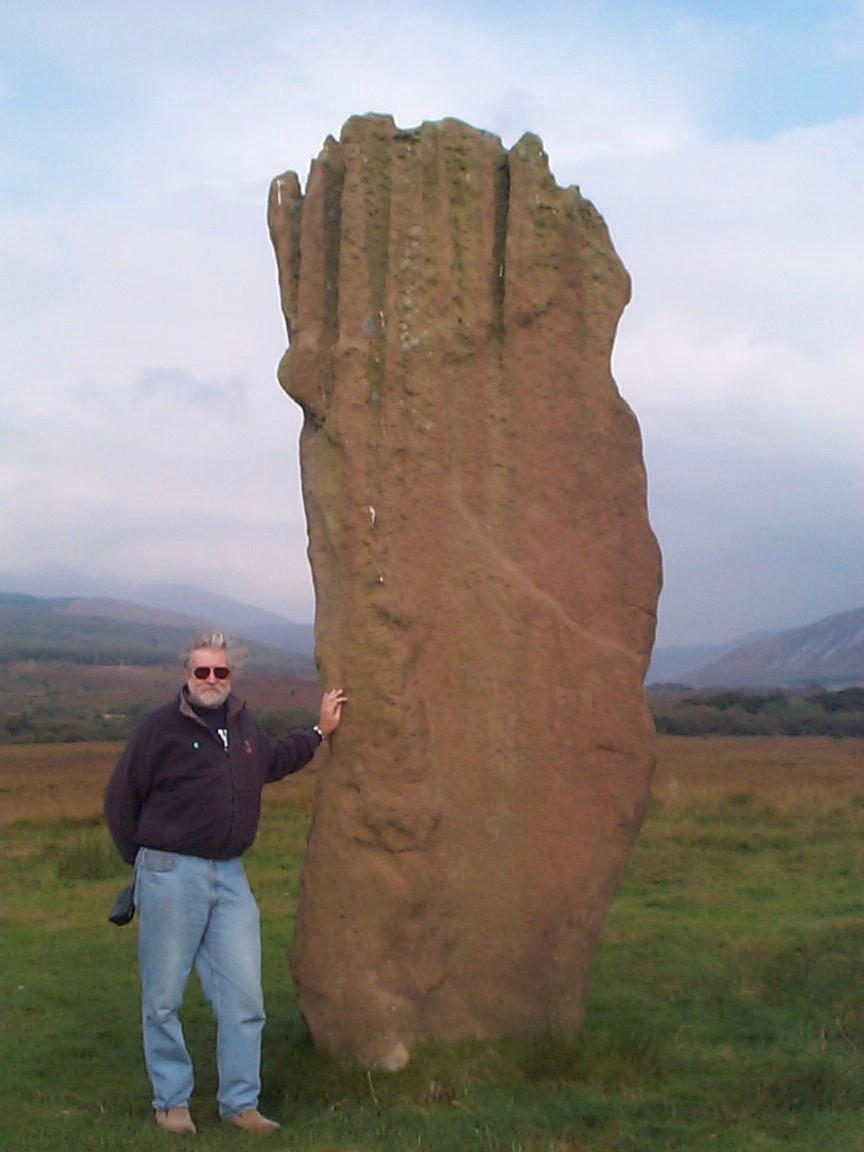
[{"x": 726, "y": 1011}]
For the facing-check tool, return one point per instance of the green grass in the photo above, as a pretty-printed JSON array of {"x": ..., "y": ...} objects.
[{"x": 726, "y": 1010}]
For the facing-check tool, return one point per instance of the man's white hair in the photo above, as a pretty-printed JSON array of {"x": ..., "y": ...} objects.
[{"x": 216, "y": 640}]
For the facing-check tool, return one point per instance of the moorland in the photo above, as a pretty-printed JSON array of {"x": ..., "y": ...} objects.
[
  {"x": 44, "y": 700},
  {"x": 726, "y": 1009},
  {"x": 48, "y": 701}
]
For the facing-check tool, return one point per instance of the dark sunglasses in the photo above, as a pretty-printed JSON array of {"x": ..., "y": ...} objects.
[{"x": 202, "y": 673}]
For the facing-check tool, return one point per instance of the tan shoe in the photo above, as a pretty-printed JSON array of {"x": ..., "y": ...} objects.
[
  {"x": 252, "y": 1121},
  {"x": 175, "y": 1120}
]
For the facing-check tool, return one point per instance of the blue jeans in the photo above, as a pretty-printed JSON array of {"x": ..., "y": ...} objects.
[{"x": 201, "y": 912}]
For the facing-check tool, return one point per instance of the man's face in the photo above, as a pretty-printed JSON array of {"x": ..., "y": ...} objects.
[{"x": 210, "y": 691}]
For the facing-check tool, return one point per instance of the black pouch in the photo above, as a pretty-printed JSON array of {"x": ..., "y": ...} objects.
[{"x": 123, "y": 908}]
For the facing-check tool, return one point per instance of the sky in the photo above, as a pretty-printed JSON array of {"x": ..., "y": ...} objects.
[{"x": 143, "y": 436}]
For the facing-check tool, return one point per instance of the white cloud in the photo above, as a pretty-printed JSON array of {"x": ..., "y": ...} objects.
[
  {"x": 742, "y": 355},
  {"x": 140, "y": 345}
]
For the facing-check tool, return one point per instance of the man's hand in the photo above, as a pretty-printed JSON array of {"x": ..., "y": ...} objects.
[{"x": 331, "y": 710}]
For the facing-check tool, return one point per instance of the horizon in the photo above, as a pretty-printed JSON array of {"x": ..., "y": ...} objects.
[
  {"x": 128, "y": 594},
  {"x": 722, "y": 143}
]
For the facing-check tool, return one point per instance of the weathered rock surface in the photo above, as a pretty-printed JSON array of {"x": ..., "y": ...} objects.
[{"x": 486, "y": 583}]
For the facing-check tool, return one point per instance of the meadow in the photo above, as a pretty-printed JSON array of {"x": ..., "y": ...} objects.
[{"x": 726, "y": 1008}]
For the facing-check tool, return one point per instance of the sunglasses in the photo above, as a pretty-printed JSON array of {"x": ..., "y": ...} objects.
[{"x": 203, "y": 673}]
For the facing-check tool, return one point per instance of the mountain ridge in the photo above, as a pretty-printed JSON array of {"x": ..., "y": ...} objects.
[
  {"x": 102, "y": 630},
  {"x": 828, "y": 653},
  {"x": 221, "y": 611},
  {"x": 671, "y": 662}
]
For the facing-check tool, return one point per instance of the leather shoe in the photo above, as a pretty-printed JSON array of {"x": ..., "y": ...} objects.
[
  {"x": 175, "y": 1120},
  {"x": 252, "y": 1121}
]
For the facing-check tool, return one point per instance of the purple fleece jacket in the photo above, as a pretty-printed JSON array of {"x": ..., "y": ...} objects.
[{"x": 178, "y": 789}]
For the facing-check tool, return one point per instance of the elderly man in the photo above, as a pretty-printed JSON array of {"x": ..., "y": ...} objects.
[{"x": 183, "y": 806}]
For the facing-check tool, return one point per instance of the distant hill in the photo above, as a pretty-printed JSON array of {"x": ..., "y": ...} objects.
[
  {"x": 187, "y": 601},
  {"x": 829, "y": 653},
  {"x": 243, "y": 619},
  {"x": 675, "y": 662},
  {"x": 104, "y": 631},
  {"x": 672, "y": 663}
]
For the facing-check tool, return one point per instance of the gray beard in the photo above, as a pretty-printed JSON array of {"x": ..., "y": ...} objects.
[{"x": 209, "y": 701}]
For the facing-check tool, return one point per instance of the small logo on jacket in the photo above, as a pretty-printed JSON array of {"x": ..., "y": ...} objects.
[{"x": 248, "y": 747}]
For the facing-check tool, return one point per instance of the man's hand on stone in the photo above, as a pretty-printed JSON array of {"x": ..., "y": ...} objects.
[{"x": 331, "y": 710}]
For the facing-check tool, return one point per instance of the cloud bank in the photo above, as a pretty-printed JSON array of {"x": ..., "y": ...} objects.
[{"x": 143, "y": 435}]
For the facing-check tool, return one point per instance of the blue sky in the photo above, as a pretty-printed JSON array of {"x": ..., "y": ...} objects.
[{"x": 140, "y": 421}]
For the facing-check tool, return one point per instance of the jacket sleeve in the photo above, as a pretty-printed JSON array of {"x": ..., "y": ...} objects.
[
  {"x": 292, "y": 753},
  {"x": 125, "y": 795}
]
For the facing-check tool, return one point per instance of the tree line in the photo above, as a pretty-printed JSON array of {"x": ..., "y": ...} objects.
[
  {"x": 38, "y": 724},
  {"x": 771, "y": 713}
]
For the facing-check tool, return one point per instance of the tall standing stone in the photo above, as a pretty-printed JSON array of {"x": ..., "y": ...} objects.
[{"x": 486, "y": 582}]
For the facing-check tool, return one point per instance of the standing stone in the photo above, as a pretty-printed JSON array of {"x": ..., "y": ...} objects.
[{"x": 486, "y": 582}]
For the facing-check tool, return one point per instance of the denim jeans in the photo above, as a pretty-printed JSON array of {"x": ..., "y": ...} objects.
[{"x": 201, "y": 912}]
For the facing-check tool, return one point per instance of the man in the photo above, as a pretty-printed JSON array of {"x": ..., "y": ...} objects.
[{"x": 183, "y": 806}]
